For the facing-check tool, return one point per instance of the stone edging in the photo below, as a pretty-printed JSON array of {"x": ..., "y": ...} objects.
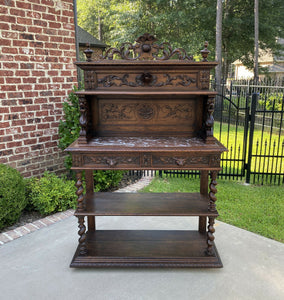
[{"x": 14, "y": 234}]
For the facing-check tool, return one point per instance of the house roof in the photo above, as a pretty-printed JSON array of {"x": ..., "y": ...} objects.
[
  {"x": 85, "y": 37},
  {"x": 276, "y": 69}
]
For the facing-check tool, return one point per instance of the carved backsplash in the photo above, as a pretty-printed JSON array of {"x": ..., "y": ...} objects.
[{"x": 146, "y": 48}]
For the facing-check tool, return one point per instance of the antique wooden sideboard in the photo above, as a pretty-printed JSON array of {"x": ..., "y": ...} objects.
[{"x": 146, "y": 111}]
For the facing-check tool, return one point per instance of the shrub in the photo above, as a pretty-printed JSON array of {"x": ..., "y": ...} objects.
[
  {"x": 51, "y": 194},
  {"x": 12, "y": 195},
  {"x": 104, "y": 180}
]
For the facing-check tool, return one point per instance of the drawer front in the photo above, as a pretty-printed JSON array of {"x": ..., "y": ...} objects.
[
  {"x": 107, "y": 161},
  {"x": 144, "y": 79},
  {"x": 134, "y": 161}
]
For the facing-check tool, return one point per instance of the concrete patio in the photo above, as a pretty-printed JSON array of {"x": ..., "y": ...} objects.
[{"x": 36, "y": 266}]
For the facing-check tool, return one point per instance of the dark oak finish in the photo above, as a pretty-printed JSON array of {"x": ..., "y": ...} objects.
[
  {"x": 146, "y": 248},
  {"x": 146, "y": 111},
  {"x": 146, "y": 204}
]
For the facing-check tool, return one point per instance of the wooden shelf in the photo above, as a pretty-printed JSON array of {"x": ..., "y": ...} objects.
[
  {"x": 145, "y": 92},
  {"x": 146, "y": 204},
  {"x": 146, "y": 248}
]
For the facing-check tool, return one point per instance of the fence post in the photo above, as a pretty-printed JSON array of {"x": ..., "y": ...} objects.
[{"x": 251, "y": 131}]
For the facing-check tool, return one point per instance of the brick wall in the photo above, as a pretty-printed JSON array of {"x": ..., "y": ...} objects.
[{"x": 37, "y": 51}]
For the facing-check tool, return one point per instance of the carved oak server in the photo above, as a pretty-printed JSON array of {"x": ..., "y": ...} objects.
[{"x": 146, "y": 111}]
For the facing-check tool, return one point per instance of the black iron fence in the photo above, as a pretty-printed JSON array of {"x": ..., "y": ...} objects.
[{"x": 249, "y": 122}]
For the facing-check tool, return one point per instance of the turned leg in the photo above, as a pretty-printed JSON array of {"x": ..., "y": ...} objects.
[
  {"x": 210, "y": 236},
  {"x": 204, "y": 192},
  {"x": 79, "y": 192},
  {"x": 213, "y": 191},
  {"x": 82, "y": 234},
  {"x": 89, "y": 193}
]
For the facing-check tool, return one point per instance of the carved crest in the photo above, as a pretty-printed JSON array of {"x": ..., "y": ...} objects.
[{"x": 146, "y": 48}]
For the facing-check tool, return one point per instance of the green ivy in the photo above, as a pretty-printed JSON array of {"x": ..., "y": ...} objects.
[
  {"x": 273, "y": 101},
  {"x": 69, "y": 129}
]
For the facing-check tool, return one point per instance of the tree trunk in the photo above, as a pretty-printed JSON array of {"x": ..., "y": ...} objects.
[
  {"x": 256, "y": 33},
  {"x": 218, "y": 55}
]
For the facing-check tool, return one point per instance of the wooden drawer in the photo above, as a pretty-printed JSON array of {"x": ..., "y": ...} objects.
[{"x": 146, "y": 160}]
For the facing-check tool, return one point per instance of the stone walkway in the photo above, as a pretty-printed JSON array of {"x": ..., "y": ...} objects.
[{"x": 11, "y": 235}]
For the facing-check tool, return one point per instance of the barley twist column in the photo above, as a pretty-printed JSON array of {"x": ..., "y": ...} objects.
[{"x": 210, "y": 236}]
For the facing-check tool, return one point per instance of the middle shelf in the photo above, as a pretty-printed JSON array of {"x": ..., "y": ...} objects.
[{"x": 146, "y": 204}]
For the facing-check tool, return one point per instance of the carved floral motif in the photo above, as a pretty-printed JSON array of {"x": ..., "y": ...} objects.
[
  {"x": 204, "y": 79},
  {"x": 145, "y": 48},
  {"x": 111, "y": 161},
  {"x": 145, "y": 79},
  {"x": 181, "y": 161},
  {"x": 146, "y": 111}
]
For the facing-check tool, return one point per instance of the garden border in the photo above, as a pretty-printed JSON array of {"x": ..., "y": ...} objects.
[{"x": 23, "y": 230}]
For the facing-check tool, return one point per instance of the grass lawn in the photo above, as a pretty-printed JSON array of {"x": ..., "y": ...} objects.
[{"x": 259, "y": 209}]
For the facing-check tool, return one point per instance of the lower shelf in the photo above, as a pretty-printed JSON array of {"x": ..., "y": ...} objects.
[{"x": 146, "y": 248}]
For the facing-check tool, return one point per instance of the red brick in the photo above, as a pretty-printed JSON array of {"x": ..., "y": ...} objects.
[
  {"x": 4, "y": 124},
  {"x": 4, "y": 26},
  {"x": 30, "y": 141},
  {"x": 30, "y": 94},
  {"x": 4, "y": 238},
  {"x": 22, "y": 73},
  {"x": 35, "y": 29},
  {"x": 39, "y": 8},
  {"x": 33, "y": 107},
  {"x": 40, "y": 23},
  {"x": 43, "y": 126},
  {"x": 39, "y": 224},
  {"x": 10, "y": 35},
  {"x": 16, "y": 157},
  {"x": 25, "y": 21},
  {"x": 4, "y": 139},
  {"x": 49, "y": 17},
  {"x": 17, "y": 109},
  {"x": 8, "y": 19},
  {"x": 13, "y": 80},
  {"x": 48, "y": 2},
  {"x": 29, "y": 128},
  {"x": 10, "y": 50},
  {"x": 10, "y": 65},
  {"x": 41, "y": 37},
  {"x": 38, "y": 73},
  {"x": 22, "y": 150},
  {"x": 15, "y": 123},
  {"x": 4, "y": 42},
  {"x": 24, "y": 5},
  {"x": 17, "y": 12},
  {"x": 30, "y": 80},
  {"x": 33, "y": 14},
  {"x": 8, "y": 88},
  {"x": 14, "y": 144},
  {"x": 27, "y": 66},
  {"x": 17, "y": 43},
  {"x": 15, "y": 95},
  {"x": 18, "y": 27}
]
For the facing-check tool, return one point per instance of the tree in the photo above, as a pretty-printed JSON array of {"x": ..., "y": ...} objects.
[{"x": 187, "y": 24}]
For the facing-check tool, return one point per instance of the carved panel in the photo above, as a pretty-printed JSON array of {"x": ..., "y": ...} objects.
[
  {"x": 146, "y": 160},
  {"x": 204, "y": 79},
  {"x": 77, "y": 160},
  {"x": 146, "y": 79},
  {"x": 112, "y": 161},
  {"x": 145, "y": 48},
  {"x": 90, "y": 80},
  {"x": 215, "y": 161},
  {"x": 145, "y": 111},
  {"x": 179, "y": 161}
]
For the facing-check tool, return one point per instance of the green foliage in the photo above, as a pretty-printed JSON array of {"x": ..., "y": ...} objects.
[
  {"x": 273, "y": 101},
  {"x": 50, "y": 193},
  {"x": 187, "y": 24},
  {"x": 69, "y": 129},
  {"x": 105, "y": 180},
  {"x": 12, "y": 195}
]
